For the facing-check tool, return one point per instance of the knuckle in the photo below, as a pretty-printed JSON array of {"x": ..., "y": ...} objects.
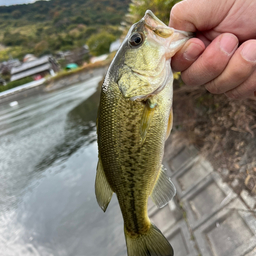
[
  {"x": 234, "y": 94},
  {"x": 188, "y": 78},
  {"x": 213, "y": 87},
  {"x": 213, "y": 66}
]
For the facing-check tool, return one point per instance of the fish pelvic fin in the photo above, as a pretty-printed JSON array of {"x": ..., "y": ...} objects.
[
  {"x": 103, "y": 190},
  {"x": 152, "y": 243},
  {"x": 164, "y": 190}
]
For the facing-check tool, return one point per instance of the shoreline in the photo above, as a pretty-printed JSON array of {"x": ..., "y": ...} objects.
[
  {"x": 52, "y": 85},
  {"x": 22, "y": 87}
]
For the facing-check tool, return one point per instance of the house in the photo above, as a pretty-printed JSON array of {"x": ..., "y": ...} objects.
[
  {"x": 77, "y": 56},
  {"x": 6, "y": 66},
  {"x": 35, "y": 67}
]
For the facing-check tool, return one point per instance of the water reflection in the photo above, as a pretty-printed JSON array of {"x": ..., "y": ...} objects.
[
  {"x": 80, "y": 129},
  {"x": 54, "y": 211}
]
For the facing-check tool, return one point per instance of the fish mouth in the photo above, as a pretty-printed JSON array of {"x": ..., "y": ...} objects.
[
  {"x": 174, "y": 39},
  {"x": 160, "y": 28}
]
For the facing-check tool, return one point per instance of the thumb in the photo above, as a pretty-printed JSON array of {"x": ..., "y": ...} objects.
[
  {"x": 179, "y": 18},
  {"x": 202, "y": 15}
]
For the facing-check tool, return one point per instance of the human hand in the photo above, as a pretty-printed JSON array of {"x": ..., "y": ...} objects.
[{"x": 214, "y": 57}]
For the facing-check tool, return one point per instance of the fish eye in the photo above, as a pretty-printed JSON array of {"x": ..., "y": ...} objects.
[{"x": 136, "y": 39}]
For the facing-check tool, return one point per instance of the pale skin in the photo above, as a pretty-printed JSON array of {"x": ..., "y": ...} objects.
[{"x": 222, "y": 56}]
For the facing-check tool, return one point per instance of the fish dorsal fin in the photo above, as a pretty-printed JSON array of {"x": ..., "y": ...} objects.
[
  {"x": 164, "y": 190},
  {"x": 170, "y": 123},
  {"x": 103, "y": 190},
  {"x": 147, "y": 116}
]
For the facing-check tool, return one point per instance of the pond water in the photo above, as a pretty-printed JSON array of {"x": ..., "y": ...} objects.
[{"x": 48, "y": 158}]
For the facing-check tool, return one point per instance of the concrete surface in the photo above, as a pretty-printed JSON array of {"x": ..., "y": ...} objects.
[{"x": 206, "y": 217}]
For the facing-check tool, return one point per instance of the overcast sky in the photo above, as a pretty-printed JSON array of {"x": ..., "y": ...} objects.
[{"x": 11, "y": 2}]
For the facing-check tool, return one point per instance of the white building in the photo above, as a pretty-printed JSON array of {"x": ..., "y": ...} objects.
[{"x": 42, "y": 66}]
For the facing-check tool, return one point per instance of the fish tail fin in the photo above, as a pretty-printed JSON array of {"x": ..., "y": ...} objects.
[{"x": 153, "y": 243}]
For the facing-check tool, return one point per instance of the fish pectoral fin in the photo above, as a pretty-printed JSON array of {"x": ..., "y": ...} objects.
[
  {"x": 103, "y": 190},
  {"x": 147, "y": 116},
  {"x": 170, "y": 123},
  {"x": 163, "y": 191}
]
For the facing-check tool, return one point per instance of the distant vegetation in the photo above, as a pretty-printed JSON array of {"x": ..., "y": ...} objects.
[
  {"x": 161, "y": 8},
  {"x": 48, "y": 26}
]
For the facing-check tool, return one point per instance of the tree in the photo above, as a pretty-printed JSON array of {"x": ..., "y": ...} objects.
[
  {"x": 16, "y": 14},
  {"x": 14, "y": 39},
  {"x": 99, "y": 44},
  {"x": 161, "y": 8},
  {"x": 41, "y": 47}
]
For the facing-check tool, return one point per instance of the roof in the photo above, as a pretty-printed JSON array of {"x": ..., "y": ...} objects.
[
  {"x": 29, "y": 57},
  {"x": 31, "y": 64},
  {"x": 32, "y": 71}
]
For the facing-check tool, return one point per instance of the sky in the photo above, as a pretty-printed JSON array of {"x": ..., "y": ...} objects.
[{"x": 11, "y": 2}]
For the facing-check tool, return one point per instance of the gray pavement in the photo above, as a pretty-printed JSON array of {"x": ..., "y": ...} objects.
[{"x": 206, "y": 217}]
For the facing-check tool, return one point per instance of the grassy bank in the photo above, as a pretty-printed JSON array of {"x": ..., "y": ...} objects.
[
  {"x": 82, "y": 69},
  {"x": 14, "y": 84}
]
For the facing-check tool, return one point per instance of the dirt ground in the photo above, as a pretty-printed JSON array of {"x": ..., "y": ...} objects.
[{"x": 223, "y": 130}]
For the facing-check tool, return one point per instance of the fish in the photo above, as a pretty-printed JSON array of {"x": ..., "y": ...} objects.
[{"x": 134, "y": 120}]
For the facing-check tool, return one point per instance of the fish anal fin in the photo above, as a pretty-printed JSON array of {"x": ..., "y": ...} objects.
[
  {"x": 170, "y": 123},
  {"x": 152, "y": 243},
  {"x": 164, "y": 190},
  {"x": 103, "y": 190},
  {"x": 147, "y": 116}
]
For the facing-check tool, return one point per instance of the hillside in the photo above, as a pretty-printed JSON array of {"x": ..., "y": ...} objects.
[{"x": 48, "y": 26}]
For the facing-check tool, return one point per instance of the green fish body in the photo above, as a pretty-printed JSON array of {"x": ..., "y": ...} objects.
[{"x": 134, "y": 120}]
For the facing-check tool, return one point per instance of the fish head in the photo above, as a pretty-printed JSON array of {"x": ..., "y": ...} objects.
[{"x": 143, "y": 60}]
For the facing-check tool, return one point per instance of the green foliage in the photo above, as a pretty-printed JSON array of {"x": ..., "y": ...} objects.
[
  {"x": 14, "y": 39},
  {"x": 15, "y": 83},
  {"x": 100, "y": 43},
  {"x": 161, "y": 8},
  {"x": 16, "y": 14},
  {"x": 40, "y": 47},
  {"x": 50, "y": 26},
  {"x": 15, "y": 52}
]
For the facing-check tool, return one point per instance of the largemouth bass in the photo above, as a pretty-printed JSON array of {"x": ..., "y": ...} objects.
[{"x": 134, "y": 120}]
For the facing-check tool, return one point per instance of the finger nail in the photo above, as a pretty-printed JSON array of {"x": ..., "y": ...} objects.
[
  {"x": 228, "y": 43},
  {"x": 193, "y": 51},
  {"x": 249, "y": 52}
]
